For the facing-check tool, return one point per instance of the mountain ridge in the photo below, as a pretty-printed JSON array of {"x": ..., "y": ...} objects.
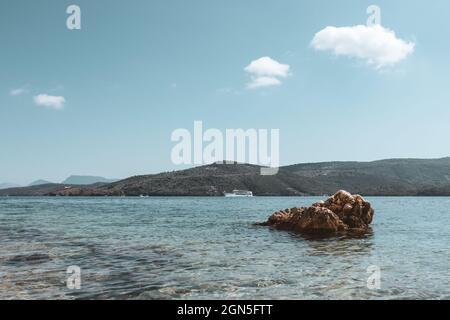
[
  {"x": 388, "y": 177},
  {"x": 86, "y": 180},
  {"x": 39, "y": 182}
]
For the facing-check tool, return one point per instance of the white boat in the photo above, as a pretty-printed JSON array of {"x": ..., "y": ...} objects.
[{"x": 238, "y": 193}]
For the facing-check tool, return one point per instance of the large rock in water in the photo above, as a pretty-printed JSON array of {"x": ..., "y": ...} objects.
[{"x": 340, "y": 213}]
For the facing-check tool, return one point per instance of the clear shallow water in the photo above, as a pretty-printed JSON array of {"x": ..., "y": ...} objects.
[{"x": 208, "y": 248}]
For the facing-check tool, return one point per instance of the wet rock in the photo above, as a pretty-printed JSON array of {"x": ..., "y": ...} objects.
[{"x": 341, "y": 213}]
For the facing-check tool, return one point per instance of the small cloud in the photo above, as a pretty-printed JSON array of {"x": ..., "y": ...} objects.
[
  {"x": 18, "y": 91},
  {"x": 52, "y": 102},
  {"x": 377, "y": 45},
  {"x": 260, "y": 82},
  {"x": 265, "y": 72},
  {"x": 266, "y": 66}
]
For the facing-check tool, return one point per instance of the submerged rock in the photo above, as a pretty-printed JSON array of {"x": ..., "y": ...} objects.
[
  {"x": 341, "y": 213},
  {"x": 34, "y": 258}
]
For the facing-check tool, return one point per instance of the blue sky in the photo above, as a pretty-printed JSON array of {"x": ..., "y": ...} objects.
[{"x": 140, "y": 69}]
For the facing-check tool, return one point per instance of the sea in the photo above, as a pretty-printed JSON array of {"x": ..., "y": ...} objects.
[{"x": 212, "y": 248}]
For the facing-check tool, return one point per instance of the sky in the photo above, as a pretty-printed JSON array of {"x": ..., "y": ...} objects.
[{"x": 104, "y": 100}]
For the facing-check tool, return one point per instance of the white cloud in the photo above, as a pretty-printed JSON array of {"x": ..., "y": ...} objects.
[
  {"x": 377, "y": 45},
  {"x": 18, "y": 92},
  {"x": 266, "y": 66},
  {"x": 260, "y": 82},
  {"x": 52, "y": 102},
  {"x": 265, "y": 72}
]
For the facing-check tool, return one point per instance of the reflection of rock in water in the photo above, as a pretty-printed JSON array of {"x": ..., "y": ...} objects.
[
  {"x": 345, "y": 246},
  {"x": 342, "y": 213}
]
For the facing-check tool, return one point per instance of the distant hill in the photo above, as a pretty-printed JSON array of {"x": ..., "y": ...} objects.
[
  {"x": 38, "y": 190},
  {"x": 39, "y": 182},
  {"x": 386, "y": 177},
  {"x": 7, "y": 185},
  {"x": 394, "y": 177},
  {"x": 85, "y": 180}
]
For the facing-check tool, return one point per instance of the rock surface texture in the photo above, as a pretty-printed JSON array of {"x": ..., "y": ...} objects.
[{"x": 341, "y": 213}]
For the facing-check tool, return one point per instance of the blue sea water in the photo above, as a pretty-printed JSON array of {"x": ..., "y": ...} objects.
[{"x": 209, "y": 248}]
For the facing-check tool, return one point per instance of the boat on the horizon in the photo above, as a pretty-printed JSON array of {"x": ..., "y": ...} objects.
[{"x": 239, "y": 193}]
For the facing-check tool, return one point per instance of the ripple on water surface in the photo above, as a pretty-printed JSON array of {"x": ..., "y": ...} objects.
[{"x": 200, "y": 248}]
